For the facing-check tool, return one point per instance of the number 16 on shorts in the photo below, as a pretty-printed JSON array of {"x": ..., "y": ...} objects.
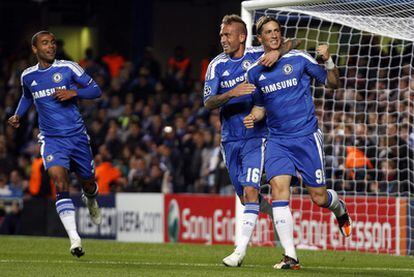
[{"x": 253, "y": 175}]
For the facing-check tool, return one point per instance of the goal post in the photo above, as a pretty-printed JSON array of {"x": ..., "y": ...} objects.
[
  {"x": 248, "y": 9},
  {"x": 367, "y": 122}
]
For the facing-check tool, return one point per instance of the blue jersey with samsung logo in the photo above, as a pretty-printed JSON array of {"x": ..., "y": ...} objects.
[
  {"x": 284, "y": 90},
  {"x": 55, "y": 118},
  {"x": 224, "y": 74}
]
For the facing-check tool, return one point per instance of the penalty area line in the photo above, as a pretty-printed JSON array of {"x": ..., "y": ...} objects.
[{"x": 5, "y": 261}]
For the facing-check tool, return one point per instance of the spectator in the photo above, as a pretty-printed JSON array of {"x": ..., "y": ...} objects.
[
  {"x": 153, "y": 182},
  {"x": 179, "y": 67},
  {"x": 5, "y": 190},
  {"x": 136, "y": 175},
  {"x": 16, "y": 184},
  {"x": 357, "y": 164},
  {"x": 107, "y": 175},
  {"x": 114, "y": 61},
  {"x": 149, "y": 62}
]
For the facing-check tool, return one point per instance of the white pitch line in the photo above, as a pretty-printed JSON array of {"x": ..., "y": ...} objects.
[{"x": 198, "y": 265}]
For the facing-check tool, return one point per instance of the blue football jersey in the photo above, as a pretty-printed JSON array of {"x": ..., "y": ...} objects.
[
  {"x": 55, "y": 118},
  {"x": 284, "y": 90},
  {"x": 224, "y": 74}
]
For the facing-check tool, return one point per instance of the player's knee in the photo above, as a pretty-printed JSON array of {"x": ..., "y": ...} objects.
[
  {"x": 251, "y": 194},
  {"x": 61, "y": 186},
  {"x": 60, "y": 182}
]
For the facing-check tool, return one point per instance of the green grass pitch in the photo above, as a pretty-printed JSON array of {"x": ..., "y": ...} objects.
[{"x": 40, "y": 256}]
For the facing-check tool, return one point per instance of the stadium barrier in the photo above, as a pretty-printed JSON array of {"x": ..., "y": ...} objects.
[
  {"x": 140, "y": 217},
  {"x": 39, "y": 218},
  {"x": 381, "y": 224},
  {"x": 109, "y": 210}
]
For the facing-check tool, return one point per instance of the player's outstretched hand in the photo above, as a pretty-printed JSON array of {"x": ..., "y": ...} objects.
[
  {"x": 270, "y": 58},
  {"x": 322, "y": 50},
  {"x": 248, "y": 121},
  {"x": 14, "y": 121},
  {"x": 64, "y": 94},
  {"x": 243, "y": 89}
]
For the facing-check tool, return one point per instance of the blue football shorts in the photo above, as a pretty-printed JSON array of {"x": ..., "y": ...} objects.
[
  {"x": 73, "y": 153},
  {"x": 244, "y": 160},
  {"x": 285, "y": 156}
]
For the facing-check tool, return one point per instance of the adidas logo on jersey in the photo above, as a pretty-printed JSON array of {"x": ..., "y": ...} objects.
[
  {"x": 225, "y": 73},
  {"x": 262, "y": 77},
  {"x": 34, "y": 83}
]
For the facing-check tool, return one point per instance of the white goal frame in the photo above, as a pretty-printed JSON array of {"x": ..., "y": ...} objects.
[{"x": 248, "y": 9}]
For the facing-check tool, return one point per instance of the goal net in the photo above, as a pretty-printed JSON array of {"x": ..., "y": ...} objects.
[{"x": 367, "y": 122}]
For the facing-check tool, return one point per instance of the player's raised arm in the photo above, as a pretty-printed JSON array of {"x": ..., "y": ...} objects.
[
  {"x": 273, "y": 56},
  {"x": 332, "y": 78}
]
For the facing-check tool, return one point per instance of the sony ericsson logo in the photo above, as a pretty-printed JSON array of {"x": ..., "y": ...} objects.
[
  {"x": 57, "y": 77},
  {"x": 45, "y": 92},
  {"x": 173, "y": 221},
  {"x": 231, "y": 83},
  {"x": 287, "y": 69},
  {"x": 280, "y": 85}
]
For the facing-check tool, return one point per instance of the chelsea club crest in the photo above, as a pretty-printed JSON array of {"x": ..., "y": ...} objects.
[
  {"x": 57, "y": 77},
  {"x": 49, "y": 158},
  {"x": 287, "y": 69},
  {"x": 246, "y": 64}
]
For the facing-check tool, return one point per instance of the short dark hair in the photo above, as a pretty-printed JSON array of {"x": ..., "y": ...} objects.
[
  {"x": 35, "y": 36},
  {"x": 263, "y": 20},
  {"x": 234, "y": 18}
]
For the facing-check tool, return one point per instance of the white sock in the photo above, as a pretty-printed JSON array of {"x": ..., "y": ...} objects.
[
  {"x": 283, "y": 220},
  {"x": 66, "y": 211},
  {"x": 251, "y": 211},
  {"x": 333, "y": 203}
]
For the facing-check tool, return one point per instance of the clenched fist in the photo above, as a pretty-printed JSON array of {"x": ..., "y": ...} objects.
[
  {"x": 322, "y": 50},
  {"x": 14, "y": 121}
]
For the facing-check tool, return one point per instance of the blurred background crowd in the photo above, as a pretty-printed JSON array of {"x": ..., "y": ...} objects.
[{"x": 151, "y": 133}]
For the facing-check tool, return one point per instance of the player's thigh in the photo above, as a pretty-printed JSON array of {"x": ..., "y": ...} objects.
[
  {"x": 231, "y": 152},
  {"x": 82, "y": 162},
  {"x": 278, "y": 159},
  {"x": 252, "y": 162},
  {"x": 54, "y": 152},
  {"x": 309, "y": 159}
]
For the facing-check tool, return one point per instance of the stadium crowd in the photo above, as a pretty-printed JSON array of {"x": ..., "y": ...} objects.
[{"x": 151, "y": 133}]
